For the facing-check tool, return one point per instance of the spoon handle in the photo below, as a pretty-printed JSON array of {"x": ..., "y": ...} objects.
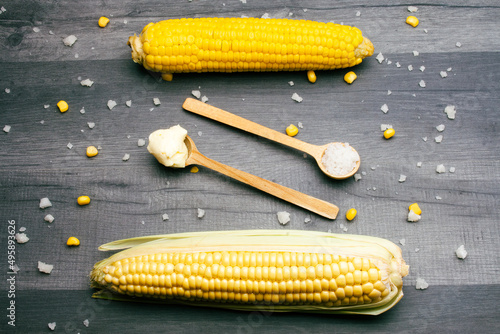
[
  {"x": 241, "y": 123},
  {"x": 310, "y": 203}
]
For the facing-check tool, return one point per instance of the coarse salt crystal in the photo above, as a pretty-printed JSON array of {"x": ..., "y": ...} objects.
[
  {"x": 82, "y": 111},
  {"x": 111, "y": 104},
  {"x": 402, "y": 178},
  {"x": 44, "y": 267},
  {"x": 49, "y": 218},
  {"x": 7, "y": 90},
  {"x": 86, "y": 322},
  {"x": 413, "y": 217},
  {"x": 440, "y": 127},
  {"x": 70, "y": 40},
  {"x": 412, "y": 9},
  {"x": 201, "y": 213},
  {"x": 410, "y": 68},
  {"x": 156, "y": 101},
  {"x": 357, "y": 177},
  {"x": 424, "y": 138},
  {"x": 450, "y": 111},
  {"x": 384, "y": 127},
  {"x": 126, "y": 157},
  {"x": 419, "y": 164},
  {"x": 440, "y": 169},
  {"x": 416, "y": 53},
  {"x": 196, "y": 93},
  {"x": 7, "y": 128},
  {"x": 52, "y": 325},
  {"x": 398, "y": 64},
  {"x": 22, "y": 229},
  {"x": 297, "y": 98},
  {"x": 21, "y": 238},
  {"x": 45, "y": 203},
  {"x": 165, "y": 216},
  {"x": 438, "y": 139},
  {"x": 141, "y": 142},
  {"x": 291, "y": 83},
  {"x": 461, "y": 252},
  {"x": 402, "y": 241},
  {"x": 389, "y": 92},
  {"x": 204, "y": 99},
  {"x": 91, "y": 125},
  {"x": 443, "y": 74},
  {"x": 340, "y": 159},
  {"x": 46, "y": 106},
  {"x": 358, "y": 13},
  {"x": 458, "y": 45},
  {"x": 307, "y": 220},
  {"x": 86, "y": 83},
  {"x": 69, "y": 146},
  {"x": 283, "y": 217},
  {"x": 128, "y": 103},
  {"x": 380, "y": 58},
  {"x": 452, "y": 169},
  {"x": 422, "y": 83},
  {"x": 422, "y": 68},
  {"x": 421, "y": 284},
  {"x": 384, "y": 108},
  {"x": 438, "y": 197}
]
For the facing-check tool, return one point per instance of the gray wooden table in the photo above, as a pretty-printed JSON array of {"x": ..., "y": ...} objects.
[{"x": 129, "y": 198}]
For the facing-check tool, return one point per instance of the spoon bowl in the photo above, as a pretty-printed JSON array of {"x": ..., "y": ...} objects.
[{"x": 241, "y": 123}]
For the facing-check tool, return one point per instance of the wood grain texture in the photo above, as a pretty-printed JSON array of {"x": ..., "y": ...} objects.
[{"x": 129, "y": 198}]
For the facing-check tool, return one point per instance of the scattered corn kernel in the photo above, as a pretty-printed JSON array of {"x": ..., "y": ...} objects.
[
  {"x": 415, "y": 208},
  {"x": 83, "y": 200},
  {"x": 167, "y": 76},
  {"x": 103, "y": 21},
  {"x": 389, "y": 133},
  {"x": 311, "y": 76},
  {"x": 92, "y": 151},
  {"x": 63, "y": 106},
  {"x": 349, "y": 77},
  {"x": 351, "y": 213},
  {"x": 412, "y": 20},
  {"x": 194, "y": 169},
  {"x": 72, "y": 241},
  {"x": 292, "y": 130}
]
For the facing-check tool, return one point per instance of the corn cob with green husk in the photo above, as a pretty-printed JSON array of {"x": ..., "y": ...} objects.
[
  {"x": 274, "y": 270},
  {"x": 247, "y": 44}
]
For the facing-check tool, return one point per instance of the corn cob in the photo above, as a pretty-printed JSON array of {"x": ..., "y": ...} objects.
[
  {"x": 262, "y": 270},
  {"x": 247, "y": 44}
]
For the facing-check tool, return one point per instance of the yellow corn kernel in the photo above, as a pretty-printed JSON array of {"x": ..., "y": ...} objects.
[
  {"x": 92, "y": 151},
  {"x": 292, "y": 130},
  {"x": 349, "y": 77},
  {"x": 63, "y": 106},
  {"x": 103, "y": 21},
  {"x": 412, "y": 20},
  {"x": 389, "y": 133},
  {"x": 194, "y": 169},
  {"x": 311, "y": 76},
  {"x": 83, "y": 200},
  {"x": 72, "y": 241},
  {"x": 415, "y": 208},
  {"x": 351, "y": 213},
  {"x": 167, "y": 76}
]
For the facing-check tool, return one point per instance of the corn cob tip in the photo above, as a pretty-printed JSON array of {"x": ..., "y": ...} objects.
[
  {"x": 136, "y": 45},
  {"x": 364, "y": 49}
]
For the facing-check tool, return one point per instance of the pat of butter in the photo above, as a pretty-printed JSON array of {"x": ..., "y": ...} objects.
[{"x": 168, "y": 147}]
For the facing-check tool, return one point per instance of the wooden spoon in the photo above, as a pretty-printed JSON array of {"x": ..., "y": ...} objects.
[
  {"x": 241, "y": 123},
  {"x": 313, "y": 204}
]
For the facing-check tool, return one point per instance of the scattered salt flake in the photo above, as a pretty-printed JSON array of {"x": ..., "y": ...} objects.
[
  {"x": 452, "y": 169},
  {"x": 7, "y": 90},
  {"x": 343, "y": 227},
  {"x": 86, "y": 83},
  {"x": 402, "y": 241},
  {"x": 461, "y": 252},
  {"x": 49, "y": 218},
  {"x": 307, "y": 220},
  {"x": 416, "y": 53},
  {"x": 458, "y": 45},
  {"x": 86, "y": 322},
  {"x": 70, "y": 40},
  {"x": 384, "y": 127},
  {"x": 389, "y": 92},
  {"x": 421, "y": 284},
  {"x": 42, "y": 122},
  {"x": 438, "y": 139},
  {"x": 440, "y": 127},
  {"x": 413, "y": 217},
  {"x": 52, "y": 325},
  {"x": 91, "y": 125},
  {"x": 265, "y": 16},
  {"x": 283, "y": 217},
  {"x": 201, "y": 213},
  {"x": 2, "y": 9},
  {"x": 440, "y": 169},
  {"x": 69, "y": 146},
  {"x": 384, "y": 108},
  {"x": 22, "y": 238},
  {"x": 449, "y": 69},
  {"x": 438, "y": 197},
  {"x": 141, "y": 142},
  {"x": 7, "y": 128},
  {"x": 151, "y": 109},
  {"x": 417, "y": 250},
  {"x": 443, "y": 74},
  {"x": 422, "y": 83},
  {"x": 204, "y": 99},
  {"x": 300, "y": 125},
  {"x": 22, "y": 229},
  {"x": 15, "y": 268},
  {"x": 450, "y": 111},
  {"x": 156, "y": 101},
  {"x": 45, "y": 268},
  {"x": 402, "y": 178},
  {"x": 111, "y": 104},
  {"x": 128, "y": 103},
  {"x": 196, "y": 93},
  {"x": 143, "y": 222},
  {"x": 424, "y": 138},
  {"x": 200, "y": 133},
  {"x": 297, "y": 98},
  {"x": 36, "y": 29},
  {"x": 380, "y": 58},
  {"x": 358, "y": 13},
  {"x": 412, "y": 9},
  {"x": 291, "y": 83},
  {"x": 357, "y": 177},
  {"x": 422, "y": 68},
  {"x": 389, "y": 62},
  {"x": 82, "y": 111},
  {"x": 45, "y": 203},
  {"x": 425, "y": 30},
  {"x": 410, "y": 68},
  {"x": 419, "y": 164},
  {"x": 398, "y": 64},
  {"x": 46, "y": 106},
  {"x": 165, "y": 217},
  {"x": 126, "y": 156}
]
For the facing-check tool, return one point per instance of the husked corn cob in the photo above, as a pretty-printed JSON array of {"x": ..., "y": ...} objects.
[
  {"x": 261, "y": 269},
  {"x": 247, "y": 44}
]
